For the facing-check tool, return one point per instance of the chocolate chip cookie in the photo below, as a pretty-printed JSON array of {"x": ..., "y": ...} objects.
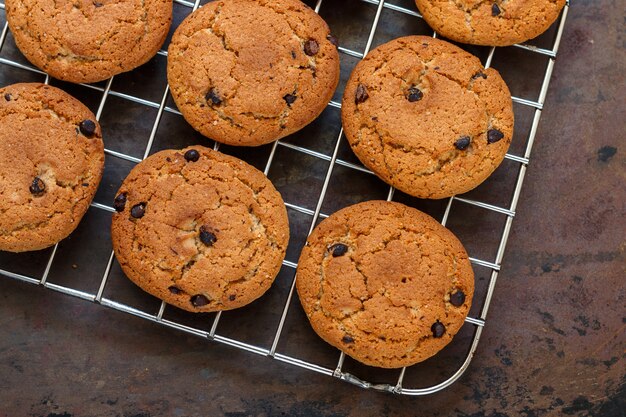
[
  {"x": 385, "y": 283},
  {"x": 491, "y": 22},
  {"x": 427, "y": 117},
  {"x": 249, "y": 72},
  {"x": 84, "y": 41},
  {"x": 51, "y": 162},
  {"x": 199, "y": 229}
]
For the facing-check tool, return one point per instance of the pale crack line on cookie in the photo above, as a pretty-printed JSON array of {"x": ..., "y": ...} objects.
[
  {"x": 283, "y": 116},
  {"x": 350, "y": 318},
  {"x": 201, "y": 251},
  {"x": 36, "y": 37},
  {"x": 312, "y": 59},
  {"x": 518, "y": 23},
  {"x": 34, "y": 226},
  {"x": 256, "y": 224},
  {"x": 357, "y": 266},
  {"x": 447, "y": 157},
  {"x": 41, "y": 224},
  {"x": 49, "y": 107},
  {"x": 49, "y": 217}
]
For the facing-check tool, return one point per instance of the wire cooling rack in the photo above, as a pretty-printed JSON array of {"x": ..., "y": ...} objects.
[{"x": 315, "y": 172}]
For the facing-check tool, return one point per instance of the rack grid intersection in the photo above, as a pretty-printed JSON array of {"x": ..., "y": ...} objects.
[{"x": 333, "y": 161}]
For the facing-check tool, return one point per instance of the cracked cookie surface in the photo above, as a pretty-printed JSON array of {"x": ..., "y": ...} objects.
[
  {"x": 249, "y": 72},
  {"x": 84, "y": 41},
  {"x": 385, "y": 283},
  {"x": 51, "y": 162},
  {"x": 200, "y": 230},
  {"x": 427, "y": 117},
  {"x": 490, "y": 22}
]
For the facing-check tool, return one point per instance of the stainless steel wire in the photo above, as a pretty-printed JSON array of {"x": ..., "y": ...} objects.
[{"x": 333, "y": 161}]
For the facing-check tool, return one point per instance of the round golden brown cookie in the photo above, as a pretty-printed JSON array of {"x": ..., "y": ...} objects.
[
  {"x": 84, "y": 41},
  {"x": 200, "y": 230},
  {"x": 249, "y": 72},
  {"x": 385, "y": 283},
  {"x": 51, "y": 162},
  {"x": 426, "y": 117},
  {"x": 491, "y": 22}
]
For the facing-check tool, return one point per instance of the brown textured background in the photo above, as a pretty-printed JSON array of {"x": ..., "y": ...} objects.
[{"x": 554, "y": 343}]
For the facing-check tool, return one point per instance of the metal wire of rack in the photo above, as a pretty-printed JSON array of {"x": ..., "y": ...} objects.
[{"x": 333, "y": 160}]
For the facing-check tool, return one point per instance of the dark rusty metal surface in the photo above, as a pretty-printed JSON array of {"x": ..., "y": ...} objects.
[{"x": 555, "y": 339}]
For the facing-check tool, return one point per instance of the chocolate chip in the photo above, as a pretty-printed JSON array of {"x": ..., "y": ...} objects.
[
  {"x": 37, "y": 187},
  {"x": 293, "y": 54},
  {"x": 87, "y": 127},
  {"x": 168, "y": 159},
  {"x": 85, "y": 184},
  {"x": 414, "y": 94},
  {"x": 361, "y": 94},
  {"x": 290, "y": 98},
  {"x": 338, "y": 249},
  {"x": 175, "y": 290},
  {"x": 479, "y": 74},
  {"x": 462, "y": 143},
  {"x": 7, "y": 97},
  {"x": 213, "y": 98},
  {"x": 495, "y": 10},
  {"x": 438, "y": 329},
  {"x": 120, "y": 202},
  {"x": 97, "y": 4},
  {"x": 311, "y": 47},
  {"x": 138, "y": 210},
  {"x": 207, "y": 237},
  {"x": 333, "y": 40},
  {"x": 347, "y": 339},
  {"x": 192, "y": 155},
  {"x": 232, "y": 297},
  {"x": 494, "y": 135},
  {"x": 199, "y": 300},
  {"x": 457, "y": 298}
]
